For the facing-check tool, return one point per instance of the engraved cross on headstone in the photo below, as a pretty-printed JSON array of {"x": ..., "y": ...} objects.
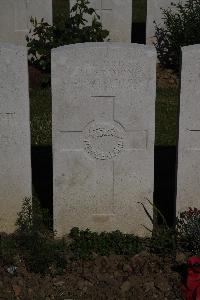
[
  {"x": 102, "y": 6},
  {"x": 103, "y": 141}
]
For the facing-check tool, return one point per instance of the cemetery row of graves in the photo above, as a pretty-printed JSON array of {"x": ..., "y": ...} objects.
[
  {"x": 98, "y": 145},
  {"x": 103, "y": 124},
  {"x": 110, "y": 119},
  {"x": 105, "y": 134},
  {"x": 119, "y": 17}
]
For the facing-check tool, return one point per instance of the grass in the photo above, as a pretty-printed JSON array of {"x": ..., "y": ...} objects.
[
  {"x": 166, "y": 116},
  {"x": 139, "y": 11},
  {"x": 40, "y": 107}
]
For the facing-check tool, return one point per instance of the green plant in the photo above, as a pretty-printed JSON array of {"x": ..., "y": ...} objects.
[
  {"x": 70, "y": 30},
  {"x": 35, "y": 240},
  {"x": 32, "y": 218},
  {"x": 42, "y": 252},
  {"x": 188, "y": 230},
  {"x": 24, "y": 220},
  {"x": 86, "y": 243},
  {"x": 181, "y": 28}
]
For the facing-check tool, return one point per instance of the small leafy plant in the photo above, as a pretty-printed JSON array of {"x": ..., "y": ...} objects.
[
  {"x": 188, "y": 230},
  {"x": 70, "y": 30},
  {"x": 32, "y": 218},
  {"x": 86, "y": 243},
  {"x": 181, "y": 28},
  {"x": 35, "y": 240}
]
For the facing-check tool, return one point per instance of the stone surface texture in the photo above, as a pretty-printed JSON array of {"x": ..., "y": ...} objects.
[
  {"x": 154, "y": 13},
  {"x": 15, "y": 161},
  {"x": 15, "y": 18},
  {"x": 103, "y": 136},
  {"x": 116, "y": 17},
  {"x": 188, "y": 181}
]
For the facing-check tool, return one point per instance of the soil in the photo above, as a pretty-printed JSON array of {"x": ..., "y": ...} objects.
[
  {"x": 166, "y": 78},
  {"x": 114, "y": 277},
  {"x": 35, "y": 77}
]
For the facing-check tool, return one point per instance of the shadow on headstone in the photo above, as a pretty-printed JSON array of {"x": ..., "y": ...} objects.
[
  {"x": 165, "y": 182},
  {"x": 164, "y": 186},
  {"x": 42, "y": 175},
  {"x": 139, "y": 33}
]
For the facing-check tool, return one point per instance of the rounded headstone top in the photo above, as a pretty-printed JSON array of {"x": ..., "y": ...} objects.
[{"x": 112, "y": 45}]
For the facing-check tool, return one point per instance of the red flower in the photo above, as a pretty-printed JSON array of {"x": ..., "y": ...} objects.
[{"x": 191, "y": 287}]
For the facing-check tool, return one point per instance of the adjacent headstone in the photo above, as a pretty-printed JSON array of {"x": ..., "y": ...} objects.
[
  {"x": 15, "y": 18},
  {"x": 188, "y": 181},
  {"x": 154, "y": 13},
  {"x": 15, "y": 161},
  {"x": 103, "y": 136},
  {"x": 116, "y": 17}
]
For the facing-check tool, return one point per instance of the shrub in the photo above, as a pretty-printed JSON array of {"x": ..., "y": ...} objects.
[
  {"x": 188, "y": 230},
  {"x": 181, "y": 28},
  {"x": 70, "y": 30},
  {"x": 85, "y": 243}
]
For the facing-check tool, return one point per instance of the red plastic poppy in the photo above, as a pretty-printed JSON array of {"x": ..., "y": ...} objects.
[{"x": 191, "y": 286}]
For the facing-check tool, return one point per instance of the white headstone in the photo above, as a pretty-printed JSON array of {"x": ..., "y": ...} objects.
[
  {"x": 116, "y": 17},
  {"x": 103, "y": 136},
  {"x": 15, "y": 161},
  {"x": 154, "y": 13},
  {"x": 15, "y": 18},
  {"x": 188, "y": 181}
]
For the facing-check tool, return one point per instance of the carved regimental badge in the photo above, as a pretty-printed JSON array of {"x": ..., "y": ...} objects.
[{"x": 104, "y": 140}]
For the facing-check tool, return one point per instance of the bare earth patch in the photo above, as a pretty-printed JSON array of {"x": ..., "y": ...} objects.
[
  {"x": 114, "y": 277},
  {"x": 166, "y": 78}
]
